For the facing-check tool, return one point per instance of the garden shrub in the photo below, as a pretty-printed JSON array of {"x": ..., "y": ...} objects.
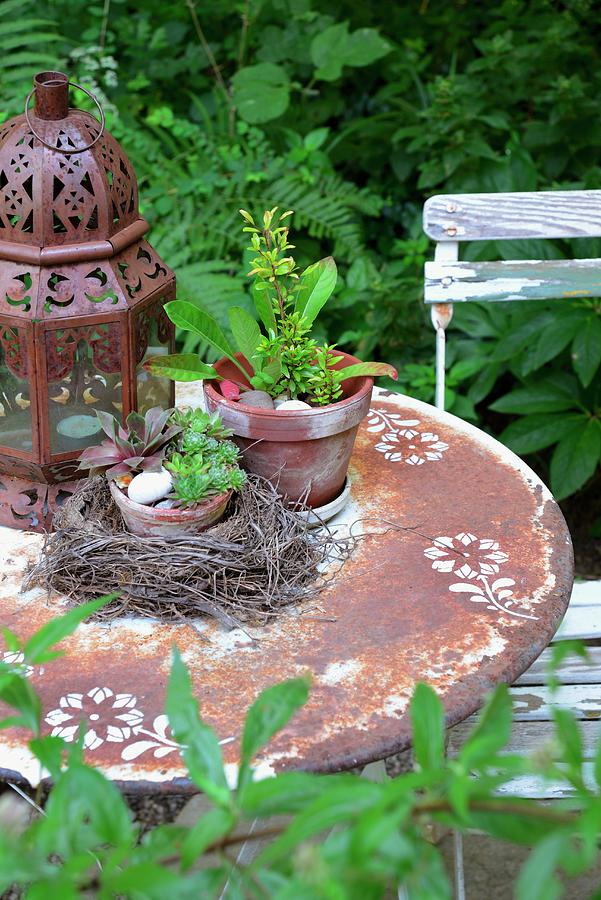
[{"x": 352, "y": 114}]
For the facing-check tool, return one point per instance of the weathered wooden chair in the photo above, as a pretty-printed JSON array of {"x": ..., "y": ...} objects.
[{"x": 449, "y": 220}]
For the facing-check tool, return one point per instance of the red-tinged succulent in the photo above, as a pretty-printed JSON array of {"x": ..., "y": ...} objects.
[{"x": 139, "y": 447}]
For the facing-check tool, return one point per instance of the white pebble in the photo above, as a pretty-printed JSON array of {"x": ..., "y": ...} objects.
[
  {"x": 294, "y": 404},
  {"x": 147, "y": 487}
]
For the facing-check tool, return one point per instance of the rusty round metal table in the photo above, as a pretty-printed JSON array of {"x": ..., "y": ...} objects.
[{"x": 462, "y": 582}]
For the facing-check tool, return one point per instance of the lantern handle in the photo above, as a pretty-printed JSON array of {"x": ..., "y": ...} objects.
[{"x": 61, "y": 149}]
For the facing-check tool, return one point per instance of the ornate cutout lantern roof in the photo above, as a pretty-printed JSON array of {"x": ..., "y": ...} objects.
[{"x": 61, "y": 203}]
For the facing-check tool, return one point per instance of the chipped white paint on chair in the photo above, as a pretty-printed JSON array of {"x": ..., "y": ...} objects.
[{"x": 455, "y": 218}]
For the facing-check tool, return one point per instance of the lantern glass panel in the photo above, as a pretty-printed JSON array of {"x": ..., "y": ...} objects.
[
  {"x": 84, "y": 375},
  {"x": 15, "y": 407},
  {"x": 152, "y": 336}
]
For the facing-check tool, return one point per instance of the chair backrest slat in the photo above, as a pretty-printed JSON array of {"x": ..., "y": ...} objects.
[
  {"x": 511, "y": 216},
  {"x": 454, "y": 282}
]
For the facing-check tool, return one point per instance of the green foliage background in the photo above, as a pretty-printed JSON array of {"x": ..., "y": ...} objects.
[{"x": 351, "y": 113}]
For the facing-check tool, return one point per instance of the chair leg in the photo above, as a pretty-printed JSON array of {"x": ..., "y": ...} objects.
[
  {"x": 441, "y": 313},
  {"x": 458, "y": 861}
]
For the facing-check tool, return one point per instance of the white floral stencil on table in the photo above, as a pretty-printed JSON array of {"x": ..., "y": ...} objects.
[
  {"x": 114, "y": 718},
  {"x": 401, "y": 442},
  {"x": 15, "y": 660},
  {"x": 109, "y": 717},
  {"x": 476, "y": 561}
]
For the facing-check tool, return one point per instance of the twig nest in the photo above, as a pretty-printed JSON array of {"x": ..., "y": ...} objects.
[
  {"x": 148, "y": 487},
  {"x": 259, "y": 399},
  {"x": 294, "y": 404}
]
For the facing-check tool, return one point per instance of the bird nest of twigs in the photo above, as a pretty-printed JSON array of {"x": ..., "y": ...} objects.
[{"x": 262, "y": 557}]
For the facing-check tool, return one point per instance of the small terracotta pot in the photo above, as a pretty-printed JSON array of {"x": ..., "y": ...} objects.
[
  {"x": 295, "y": 449},
  {"x": 147, "y": 521}
]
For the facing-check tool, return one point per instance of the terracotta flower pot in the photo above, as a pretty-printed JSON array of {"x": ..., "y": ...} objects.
[
  {"x": 147, "y": 521},
  {"x": 296, "y": 449}
]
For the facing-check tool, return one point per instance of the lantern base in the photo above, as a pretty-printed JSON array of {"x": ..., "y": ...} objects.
[{"x": 30, "y": 505}]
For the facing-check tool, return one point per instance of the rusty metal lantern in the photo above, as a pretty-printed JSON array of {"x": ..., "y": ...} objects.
[{"x": 81, "y": 298}]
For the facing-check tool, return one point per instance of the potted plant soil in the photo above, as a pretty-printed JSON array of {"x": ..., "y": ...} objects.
[
  {"x": 293, "y": 406},
  {"x": 170, "y": 472}
]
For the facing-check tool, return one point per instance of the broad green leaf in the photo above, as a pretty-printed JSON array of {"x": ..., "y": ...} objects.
[
  {"x": 334, "y": 48},
  {"x": 568, "y": 734},
  {"x": 376, "y": 827},
  {"x": 316, "y": 285},
  {"x": 50, "y": 751},
  {"x": 517, "y": 828},
  {"x": 484, "y": 383},
  {"x": 492, "y": 731},
  {"x": 528, "y": 434},
  {"x": 36, "y": 648},
  {"x": 201, "y": 750},
  {"x": 147, "y": 879},
  {"x": 210, "y": 828},
  {"x": 365, "y": 46},
  {"x": 336, "y": 805},
  {"x": 262, "y": 298},
  {"x": 314, "y": 139},
  {"x": 261, "y": 92},
  {"x": 597, "y": 762},
  {"x": 575, "y": 459},
  {"x": 245, "y": 330},
  {"x": 11, "y": 641},
  {"x": 180, "y": 367},
  {"x": 272, "y": 371},
  {"x": 545, "y": 396},
  {"x": 586, "y": 349},
  {"x": 329, "y": 51},
  {"x": 374, "y": 369},
  {"x": 199, "y": 322},
  {"x": 537, "y": 879},
  {"x": 427, "y": 879},
  {"x": 290, "y": 792},
  {"x": 552, "y": 339},
  {"x": 84, "y": 810},
  {"x": 272, "y": 709},
  {"x": 427, "y": 719},
  {"x": 17, "y": 693},
  {"x": 560, "y": 651}
]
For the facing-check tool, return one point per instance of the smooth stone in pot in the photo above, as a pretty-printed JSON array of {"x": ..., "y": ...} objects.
[
  {"x": 258, "y": 399},
  {"x": 294, "y": 404},
  {"x": 148, "y": 487}
]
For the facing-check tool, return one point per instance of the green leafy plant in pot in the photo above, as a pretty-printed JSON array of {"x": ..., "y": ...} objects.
[
  {"x": 293, "y": 407},
  {"x": 170, "y": 472}
]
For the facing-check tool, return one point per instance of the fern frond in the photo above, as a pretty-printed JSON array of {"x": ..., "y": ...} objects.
[
  {"x": 24, "y": 37},
  {"x": 327, "y": 209}
]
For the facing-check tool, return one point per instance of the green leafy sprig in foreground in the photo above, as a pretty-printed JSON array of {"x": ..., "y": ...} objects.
[{"x": 342, "y": 837}]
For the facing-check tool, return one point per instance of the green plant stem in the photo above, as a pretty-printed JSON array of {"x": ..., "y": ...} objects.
[
  {"x": 209, "y": 53},
  {"x": 243, "y": 34},
  {"x": 104, "y": 26},
  {"x": 275, "y": 279},
  {"x": 507, "y": 807}
]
